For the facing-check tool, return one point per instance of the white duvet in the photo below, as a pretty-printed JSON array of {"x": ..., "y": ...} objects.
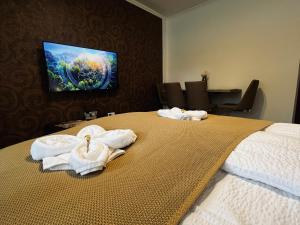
[{"x": 262, "y": 183}]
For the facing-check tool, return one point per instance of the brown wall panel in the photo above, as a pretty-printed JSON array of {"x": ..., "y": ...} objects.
[{"x": 26, "y": 106}]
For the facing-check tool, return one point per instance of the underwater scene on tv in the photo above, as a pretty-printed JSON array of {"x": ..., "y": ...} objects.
[{"x": 72, "y": 68}]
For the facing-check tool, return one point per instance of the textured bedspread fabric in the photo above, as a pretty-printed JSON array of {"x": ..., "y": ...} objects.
[{"x": 155, "y": 182}]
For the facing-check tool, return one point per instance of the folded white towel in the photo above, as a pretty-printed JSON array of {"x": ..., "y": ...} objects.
[
  {"x": 92, "y": 130},
  {"x": 53, "y": 145},
  {"x": 179, "y": 114},
  {"x": 268, "y": 158},
  {"x": 117, "y": 138},
  {"x": 286, "y": 129},
  {"x": 60, "y": 162}
]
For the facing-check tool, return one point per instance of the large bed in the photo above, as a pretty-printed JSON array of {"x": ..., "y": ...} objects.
[{"x": 172, "y": 174}]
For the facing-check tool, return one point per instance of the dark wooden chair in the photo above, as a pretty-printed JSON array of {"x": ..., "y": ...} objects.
[
  {"x": 174, "y": 95},
  {"x": 162, "y": 94},
  {"x": 247, "y": 100},
  {"x": 197, "y": 96}
]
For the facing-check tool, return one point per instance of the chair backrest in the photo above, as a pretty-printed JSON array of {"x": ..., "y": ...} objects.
[
  {"x": 197, "y": 95},
  {"x": 247, "y": 100},
  {"x": 162, "y": 94},
  {"x": 174, "y": 93}
]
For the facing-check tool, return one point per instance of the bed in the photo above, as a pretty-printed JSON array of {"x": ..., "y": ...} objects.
[{"x": 169, "y": 176}]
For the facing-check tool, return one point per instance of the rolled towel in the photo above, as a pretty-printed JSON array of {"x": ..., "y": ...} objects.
[
  {"x": 196, "y": 114},
  {"x": 53, "y": 145},
  {"x": 174, "y": 113},
  {"x": 117, "y": 138},
  {"x": 86, "y": 158},
  {"x": 179, "y": 114},
  {"x": 92, "y": 130}
]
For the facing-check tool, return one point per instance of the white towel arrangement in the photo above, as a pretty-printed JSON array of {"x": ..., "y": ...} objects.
[
  {"x": 180, "y": 114},
  {"x": 92, "y": 130},
  {"x": 117, "y": 138},
  {"x": 90, "y": 150},
  {"x": 84, "y": 160},
  {"x": 60, "y": 162},
  {"x": 53, "y": 145}
]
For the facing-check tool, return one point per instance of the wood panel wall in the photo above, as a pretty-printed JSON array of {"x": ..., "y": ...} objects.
[{"x": 26, "y": 106}]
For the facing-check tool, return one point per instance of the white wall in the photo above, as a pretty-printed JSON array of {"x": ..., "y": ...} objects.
[{"x": 237, "y": 41}]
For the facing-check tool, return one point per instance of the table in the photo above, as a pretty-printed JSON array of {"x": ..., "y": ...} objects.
[
  {"x": 224, "y": 91},
  {"x": 221, "y": 96},
  {"x": 56, "y": 127},
  {"x": 69, "y": 124}
]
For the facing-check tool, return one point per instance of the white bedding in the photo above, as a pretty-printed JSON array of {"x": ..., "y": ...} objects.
[
  {"x": 286, "y": 129},
  {"x": 271, "y": 159},
  {"x": 231, "y": 200}
]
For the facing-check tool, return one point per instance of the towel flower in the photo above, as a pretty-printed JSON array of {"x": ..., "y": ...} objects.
[{"x": 90, "y": 150}]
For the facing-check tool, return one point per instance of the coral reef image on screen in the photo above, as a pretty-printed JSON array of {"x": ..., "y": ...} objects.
[{"x": 72, "y": 68}]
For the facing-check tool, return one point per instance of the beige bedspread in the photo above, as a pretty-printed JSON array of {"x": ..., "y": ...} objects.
[{"x": 155, "y": 182}]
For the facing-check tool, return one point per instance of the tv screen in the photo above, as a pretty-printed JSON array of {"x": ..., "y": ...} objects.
[{"x": 71, "y": 68}]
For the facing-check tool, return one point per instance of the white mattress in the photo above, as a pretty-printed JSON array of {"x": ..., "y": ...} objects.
[{"x": 232, "y": 199}]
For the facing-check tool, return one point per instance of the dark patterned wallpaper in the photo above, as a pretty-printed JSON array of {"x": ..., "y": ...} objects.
[{"x": 26, "y": 106}]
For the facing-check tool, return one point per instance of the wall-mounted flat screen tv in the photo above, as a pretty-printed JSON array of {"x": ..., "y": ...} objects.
[{"x": 71, "y": 68}]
